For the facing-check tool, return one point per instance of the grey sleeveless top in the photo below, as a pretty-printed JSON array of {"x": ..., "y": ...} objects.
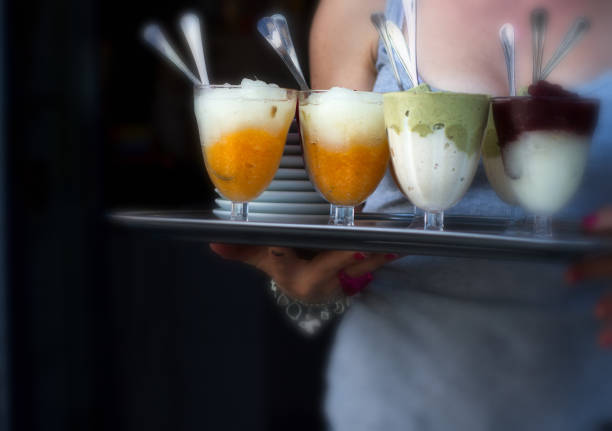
[{"x": 473, "y": 344}]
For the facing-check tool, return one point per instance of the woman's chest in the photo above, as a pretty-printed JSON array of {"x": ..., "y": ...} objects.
[{"x": 458, "y": 46}]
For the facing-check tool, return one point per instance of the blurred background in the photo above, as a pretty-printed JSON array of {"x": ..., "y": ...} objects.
[{"x": 102, "y": 328}]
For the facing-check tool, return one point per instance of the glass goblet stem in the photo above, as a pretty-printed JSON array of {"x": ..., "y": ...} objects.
[
  {"x": 542, "y": 226},
  {"x": 240, "y": 211},
  {"x": 343, "y": 215},
  {"x": 434, "y": 220}
]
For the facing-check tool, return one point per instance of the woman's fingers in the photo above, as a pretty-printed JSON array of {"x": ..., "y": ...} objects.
[
  {"x": 605, "y": 337},
  {"x": 603, "y": 309},
  {"x": 245, "y": 253},
  {"x": 311, "y": 280},
  {"x": 597, "y": 267},
  {"x": 370, "y": 264},
  {"x": 281, "y": 264},
  {"x": 329, "y": 263},
  {"x": 599, "y": 222},
  {"x": 603, "y": 312}
]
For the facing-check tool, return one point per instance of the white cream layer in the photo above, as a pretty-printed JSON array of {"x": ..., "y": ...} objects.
[
  {"x": 431, "y": 170},
  {"x": 255, "y": 105},
  {"x": 548, "y": 166},
  {"x": 340, "y": 116}
]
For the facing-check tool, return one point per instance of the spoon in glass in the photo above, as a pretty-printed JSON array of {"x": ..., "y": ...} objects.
[
  {"x": 379, "y": 21},
  {"x": 398, "y": 44},
  {"x": 410, "y": 13},
  {"x": 155, "y": 37},
  {"x": 539, "y": 22},
  {"x": 276, "y": 31},
  {"x": 573, "y": 35},
  {"x": 506, "y": 37},
  {"x": 190, "y": 24}
]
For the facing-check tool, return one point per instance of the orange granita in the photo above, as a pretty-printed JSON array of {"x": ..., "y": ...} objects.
[
  {"x": 346, "y": 174},
  {"x": 242, "y": 163}
]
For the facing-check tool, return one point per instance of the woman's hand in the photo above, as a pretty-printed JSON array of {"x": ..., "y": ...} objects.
[
  {"x": 310, "y": 280},
  {"x": 599, "y": 223}
]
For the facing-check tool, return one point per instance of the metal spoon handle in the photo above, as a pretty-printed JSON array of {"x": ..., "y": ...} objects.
[
  {"x": 410, "y": 11},
  {"x": 281, "y": 24},
  {"x": 154, "y": 36},
  {"x": 190, "y": 24},
  {"x": 398, "y": 44},
  {"x": 276, "y": 31},
  {"x": 378, "y": 19},
  {"x": 506, "y": 37},
  {"x": 539, "y": 22},
  {"x": 573, "y": 35}
]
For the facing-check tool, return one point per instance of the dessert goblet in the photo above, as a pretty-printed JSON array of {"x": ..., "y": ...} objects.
[
  {"x": 243, "y": 129},
  {"x": 434, "y": 140},
  {"x": 544, "y": 140},
  {"x": 345, "y": 146}
]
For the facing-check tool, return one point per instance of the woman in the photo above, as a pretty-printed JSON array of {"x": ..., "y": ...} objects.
[{"x": 451, "y": 343}]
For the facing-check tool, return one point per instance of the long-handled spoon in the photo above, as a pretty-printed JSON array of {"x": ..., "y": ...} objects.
[
  {"x": 539, "y": 22},
  {"x": 276, "y": 31},
  {"x": 154, "y": 36},
  {"x": 506, "y": 37},
  {"x": 410, "y": 13},
  {"x": 379, "y": 21},
  {"x": 398, "y": 44},
  {"x": 190, "y": 24},
  {"x": 281, "y": 24},
  {"x": 573, "y": 35}
]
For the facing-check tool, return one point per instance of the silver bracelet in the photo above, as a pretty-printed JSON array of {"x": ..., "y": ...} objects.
[{"x": 309, "y": 317}]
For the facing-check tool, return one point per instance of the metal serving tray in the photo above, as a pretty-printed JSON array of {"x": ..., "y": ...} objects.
[{"x": 476, "y": 237}]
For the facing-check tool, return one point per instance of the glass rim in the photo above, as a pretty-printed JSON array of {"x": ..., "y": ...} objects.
[
  {"x": 438, "y": 93},
  {"x": 585, "y": 100},
  {"x": 290, "y": 94},
  {"x": 329, "y": 89},
  {"x": 238, "y": 86},
  {"x": 307, "y": 93}
]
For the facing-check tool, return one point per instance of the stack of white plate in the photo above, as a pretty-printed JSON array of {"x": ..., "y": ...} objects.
[{"x": 290, "y": 197}]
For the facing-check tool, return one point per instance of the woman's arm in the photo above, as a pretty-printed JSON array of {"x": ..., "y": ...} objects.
[{"x": 343, "y": 44}]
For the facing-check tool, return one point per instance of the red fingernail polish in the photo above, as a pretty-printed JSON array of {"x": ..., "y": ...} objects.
[
  {"x": 573, "y": 275},
  {"x": 391, "y": 256},
  {"x": 605, "y": 339},
  {"x": 359, "y": 256},
  {"x": 589, "y": 222},
  {"x": 603, "y": 309}
]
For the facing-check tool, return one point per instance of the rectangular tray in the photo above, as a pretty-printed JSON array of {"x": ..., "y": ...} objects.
[{"x": 476, "y": 237}]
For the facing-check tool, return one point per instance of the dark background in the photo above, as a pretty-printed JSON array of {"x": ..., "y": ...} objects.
[{"x": 128, "y": 330}]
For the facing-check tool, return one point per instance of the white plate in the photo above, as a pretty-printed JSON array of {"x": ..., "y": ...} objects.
[
  {"x": 292, "y": 162},
  {"x": 287, "y": 185},
  {"x": 298, "y": 197},
  {"x": 292, "y": 150},
  {"x": 291, "y": 174},
  {"x": 279, "y": 208},
  {"x": 286, "y": 218}
]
